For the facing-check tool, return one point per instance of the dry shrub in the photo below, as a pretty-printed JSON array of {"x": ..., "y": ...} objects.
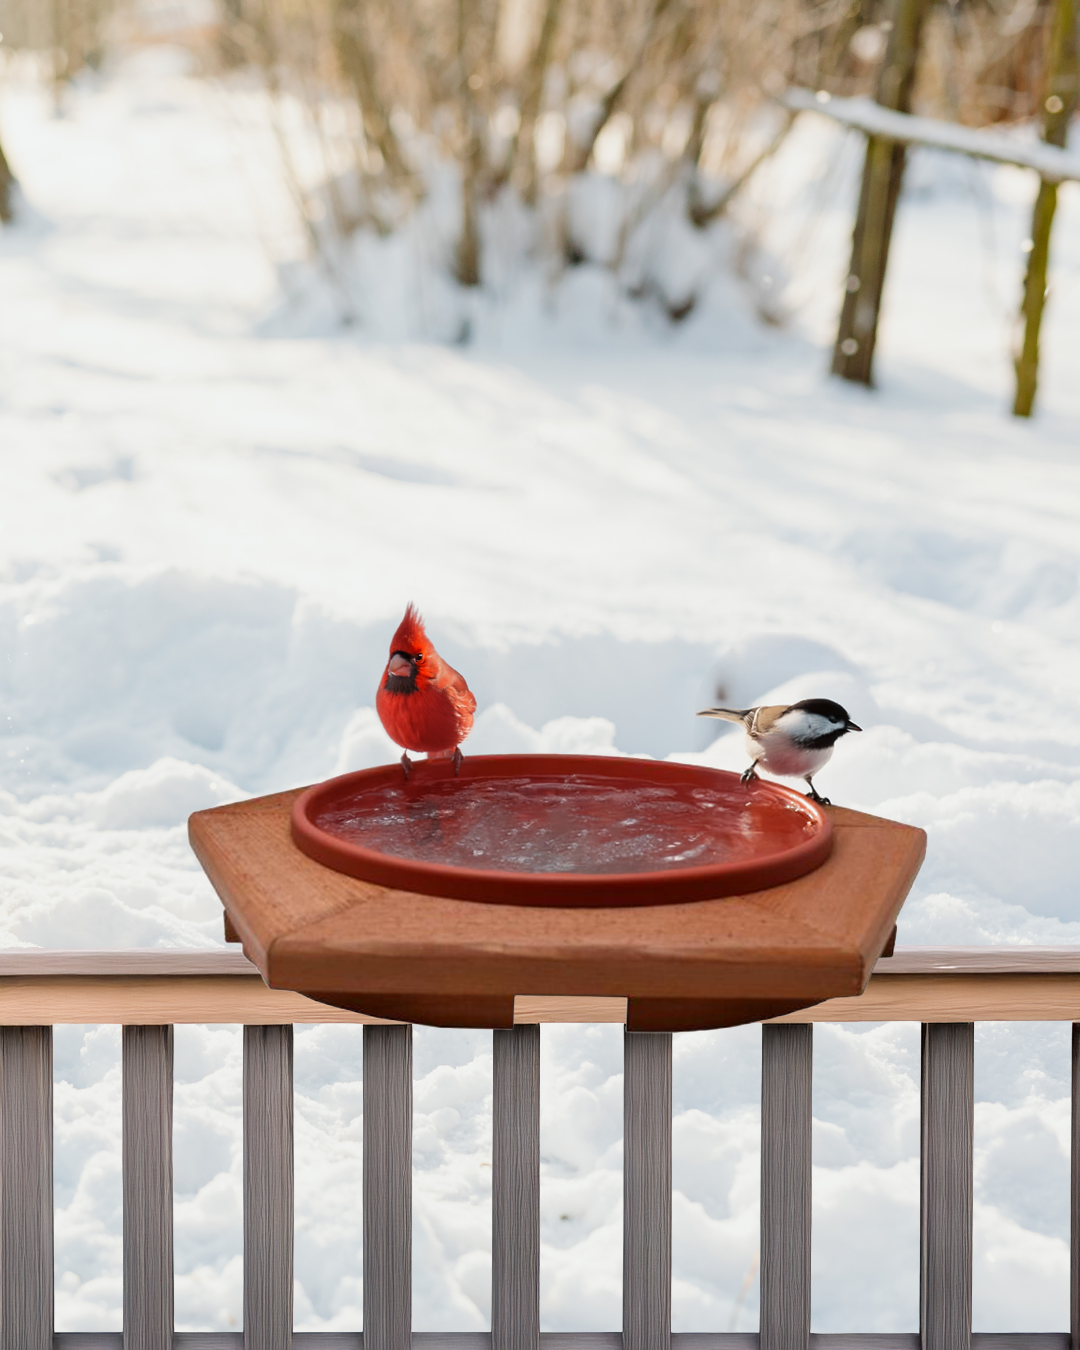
[
  {"x": 527, "y": 94},
  {"x": 673, "y": 99},
  {"x": 986, "y": 63}
]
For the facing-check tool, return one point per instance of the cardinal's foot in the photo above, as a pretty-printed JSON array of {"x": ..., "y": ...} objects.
[
  {"x": 406, "y": 764},
  {"x": 749, "y": 775},
  {"x": 457, "y": 757}
]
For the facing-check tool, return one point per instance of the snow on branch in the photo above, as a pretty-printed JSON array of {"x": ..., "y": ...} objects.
[{"x": 864, "y": 114}]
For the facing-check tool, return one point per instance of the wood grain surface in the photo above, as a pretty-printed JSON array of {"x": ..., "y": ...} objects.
[
  {"x": 387, "y": 1134},
  {"x": 948, "y": 1116},
  {"x": 309, "y": 928},
  {"x": 165, "y": 1000},
  {"x": 37, "y": 962},
  {"x": 40, "y": 961},
  {"x": 157, "y": 1001},
  {"x": 515, "y": 1189},
  {"x": 960, "y": 997},
  {"x": 980, "y": 961},
  {"x": 147, "y": 1056},
  {"x": 26, "y": 1188},
  {"x": 268, "y": 1187},
  {"x": 786, "y": 1078},
  {"x": 646, "y": 1190}
]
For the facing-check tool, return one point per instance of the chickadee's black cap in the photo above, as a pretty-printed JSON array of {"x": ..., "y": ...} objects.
[{"x": 825, "y": 707}]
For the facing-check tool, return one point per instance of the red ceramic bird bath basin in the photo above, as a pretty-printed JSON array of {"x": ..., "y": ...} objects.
[{"x": 562, "y": 830}]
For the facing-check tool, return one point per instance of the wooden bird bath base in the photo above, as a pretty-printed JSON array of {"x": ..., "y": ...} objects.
[{"x": 775, "y": 942}]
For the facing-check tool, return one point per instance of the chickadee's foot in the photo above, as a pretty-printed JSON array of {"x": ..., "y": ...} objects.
[
  {"x": 749, "y": 775},
  {"x": 456, "y": 758},
  {"x": 406, "y": 764},
  {"x": 815, "y": 795}
]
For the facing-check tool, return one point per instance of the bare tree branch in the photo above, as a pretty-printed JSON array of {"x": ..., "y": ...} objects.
[
  {"x": 578, "y": 156},
  {"x": 521, "y": 158},
  {"x": 358, "y": 68}
]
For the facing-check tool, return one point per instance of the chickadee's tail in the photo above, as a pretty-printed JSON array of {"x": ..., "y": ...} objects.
[{"x": 727, "y": 714}]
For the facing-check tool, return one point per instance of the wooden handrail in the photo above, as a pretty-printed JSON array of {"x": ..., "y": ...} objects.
[
  {"x": 916, "y": 984},
  {"x": 41, "y": 962}
]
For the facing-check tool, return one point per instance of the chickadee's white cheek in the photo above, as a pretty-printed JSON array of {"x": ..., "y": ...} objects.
[{"x": 805, "y": 726}]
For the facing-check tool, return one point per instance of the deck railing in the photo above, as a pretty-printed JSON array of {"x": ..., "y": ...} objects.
[{"x": 946, "y": 990}]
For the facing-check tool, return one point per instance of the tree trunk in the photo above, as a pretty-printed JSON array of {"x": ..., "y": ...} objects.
[
  {"x": 61, "y": 40},
  {"x": 230, "y": 45},
  {"x": 1060, "y": 104},
  {"x": 883, "y": 173},
  {"x": 7, "y": 182},
  {"x": 467, "y": 259}
]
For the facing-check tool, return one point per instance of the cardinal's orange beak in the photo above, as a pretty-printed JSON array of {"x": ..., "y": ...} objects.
[{"x": 399, "y": 666}]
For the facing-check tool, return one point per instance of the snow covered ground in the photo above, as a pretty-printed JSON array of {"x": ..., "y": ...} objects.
[{"x": 215, "y": 506}]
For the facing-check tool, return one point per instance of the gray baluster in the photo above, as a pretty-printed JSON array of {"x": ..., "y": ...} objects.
[
  {"x": 1074, "y": 1196},
  {"x": 268, "y": 1187},
  {"x": 26, "y": 1188},
  {"x": 646, "y": 1190},
  {"x": 948, "y": 1128},
  {"x": 787, "y": 1062},
  {"x": 387, "y": 1187},
  {"x": 515, "y": 1190},
  {"x": 148, "y": 1188}
]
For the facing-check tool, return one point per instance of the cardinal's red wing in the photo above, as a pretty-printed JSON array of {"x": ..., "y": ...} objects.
[{"x": 460, "y": 695}]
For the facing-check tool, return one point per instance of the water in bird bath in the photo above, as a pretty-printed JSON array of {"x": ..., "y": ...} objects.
[{"x": 576, "y": 824}]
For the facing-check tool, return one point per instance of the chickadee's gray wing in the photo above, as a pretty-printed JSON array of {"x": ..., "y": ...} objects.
[
  {"x": 765, "y": 718},
  {"x": 730, "y": 714}
]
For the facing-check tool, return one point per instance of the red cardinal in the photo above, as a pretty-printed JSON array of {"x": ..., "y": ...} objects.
[{"x": 423, "y": 703}]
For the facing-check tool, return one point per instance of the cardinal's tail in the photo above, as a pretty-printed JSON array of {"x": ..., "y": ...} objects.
[{"x": 728, "y": 714}]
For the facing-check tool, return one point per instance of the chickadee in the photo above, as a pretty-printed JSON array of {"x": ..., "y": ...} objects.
[{"x": 793, "y": 741}]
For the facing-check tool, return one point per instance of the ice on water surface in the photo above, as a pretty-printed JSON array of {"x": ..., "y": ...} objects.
[{"x": 572, "y": 823}]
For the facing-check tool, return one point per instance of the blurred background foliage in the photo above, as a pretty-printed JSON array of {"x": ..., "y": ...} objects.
[{"x": 675, "y": 100}]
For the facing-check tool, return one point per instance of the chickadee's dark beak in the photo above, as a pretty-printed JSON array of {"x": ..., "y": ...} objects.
[{"x": 852, "y": 727}]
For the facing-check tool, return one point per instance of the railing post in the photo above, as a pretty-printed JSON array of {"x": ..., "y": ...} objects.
[
  {"x": 387, "y": 1187},
  {"x": 268, "y": 1187},
  {"x": 26, "y": 1188},
  {"x": 148, "y": 1187},
  {"x": 948, "y": 1130},
  {"x": 515, "y": 1190},
  {"x": 787, "y": 1062},
  {"x": 1074, "y": 1198},
  {"x": 646, "y": 1190}
]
